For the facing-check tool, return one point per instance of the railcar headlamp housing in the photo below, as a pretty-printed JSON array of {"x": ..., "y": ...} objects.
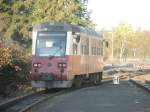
[
  {"x": 62, "y": 65},
  {"x": 37, "y": 65}
]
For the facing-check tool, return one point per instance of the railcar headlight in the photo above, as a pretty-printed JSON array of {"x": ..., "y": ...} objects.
[
  {"x": 62, "y": 65},
  {"x": 37, "y": 65}
]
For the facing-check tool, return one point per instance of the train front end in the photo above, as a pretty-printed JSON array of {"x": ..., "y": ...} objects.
[{"x": 49, "y": 60}]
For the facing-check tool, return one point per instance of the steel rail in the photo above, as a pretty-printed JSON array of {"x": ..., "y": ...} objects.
[
  {"x": 145, "y": 86},
  {"x": 26, "y": 102}
]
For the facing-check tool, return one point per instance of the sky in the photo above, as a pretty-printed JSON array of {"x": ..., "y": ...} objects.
[{"x": 109, "y": 13}]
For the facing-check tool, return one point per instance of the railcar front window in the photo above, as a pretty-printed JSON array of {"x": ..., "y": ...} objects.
[{"x": 51, "y": 44}]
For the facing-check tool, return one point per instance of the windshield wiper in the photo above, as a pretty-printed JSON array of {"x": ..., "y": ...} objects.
[{"x": 51, "y": 57}]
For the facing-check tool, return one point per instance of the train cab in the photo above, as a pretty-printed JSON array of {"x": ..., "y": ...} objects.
[{"x": 61, "y": 55}]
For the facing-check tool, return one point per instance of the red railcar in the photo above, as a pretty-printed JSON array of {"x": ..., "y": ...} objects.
[{"x": 64, "y": 55}]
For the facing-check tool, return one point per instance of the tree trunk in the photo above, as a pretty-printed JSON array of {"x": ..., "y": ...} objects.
[{"x": 123, "y": 52}]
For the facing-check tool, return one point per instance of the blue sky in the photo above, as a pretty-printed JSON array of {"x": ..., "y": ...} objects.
[{"x": 108, "y": 13}]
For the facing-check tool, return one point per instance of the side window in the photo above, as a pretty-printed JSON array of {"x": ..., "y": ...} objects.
[
  {"x": 96, "y": 51},
  {"x": 75, "y": 49},
  {"x": 82, "y": 49},
  {"x": 99, "y": 51},
  {"x": 92, "y": 50},
  {"x": 85, "y": 50}
]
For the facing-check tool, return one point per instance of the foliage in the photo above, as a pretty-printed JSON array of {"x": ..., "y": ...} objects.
[
  {"x": 142, "y": 44},
  {"x": 16, "y": 20},
  {"x": 19, "y": 15},
  {"x": 61, "y": 11},
  {"x": 123, "y": 37},
  {"x": 128, "y": 43},
  {"x": 16, "y": 70},
  {"x": 5, "y": 55}
]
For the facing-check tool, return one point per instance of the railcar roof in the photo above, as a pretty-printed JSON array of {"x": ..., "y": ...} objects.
[{"x": 48, "y": 26}]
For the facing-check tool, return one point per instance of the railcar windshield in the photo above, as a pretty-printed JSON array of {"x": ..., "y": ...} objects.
[{"x": 51, "y": 44}]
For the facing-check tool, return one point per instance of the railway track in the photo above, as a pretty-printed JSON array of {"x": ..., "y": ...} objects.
[
  {"x": 145, "y": 86},
  {"x": 21, "y": 104},
  {"x": 133, "y": 73},
  {"x": 26, "y": 102},
  {"x": 142, "y": 84}
]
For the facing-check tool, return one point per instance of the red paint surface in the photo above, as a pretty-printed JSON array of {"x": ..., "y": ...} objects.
[
  {"x": 48, "y": 66},
  {"x": 76, "y": 65}
]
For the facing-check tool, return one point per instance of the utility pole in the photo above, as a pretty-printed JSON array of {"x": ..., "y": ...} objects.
[{"x": 112, "y": 49}]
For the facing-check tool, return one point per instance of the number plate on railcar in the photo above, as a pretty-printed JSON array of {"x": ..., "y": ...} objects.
[{"x": 47, "y": 77}]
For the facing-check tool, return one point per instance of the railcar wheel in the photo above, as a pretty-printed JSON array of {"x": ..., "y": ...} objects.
[
  {"x": 95, "y": 78},
  {"x": 47, "y": 89},
  {"x": 34, "y": 89},
  {"x": 77, "y": 83}
]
